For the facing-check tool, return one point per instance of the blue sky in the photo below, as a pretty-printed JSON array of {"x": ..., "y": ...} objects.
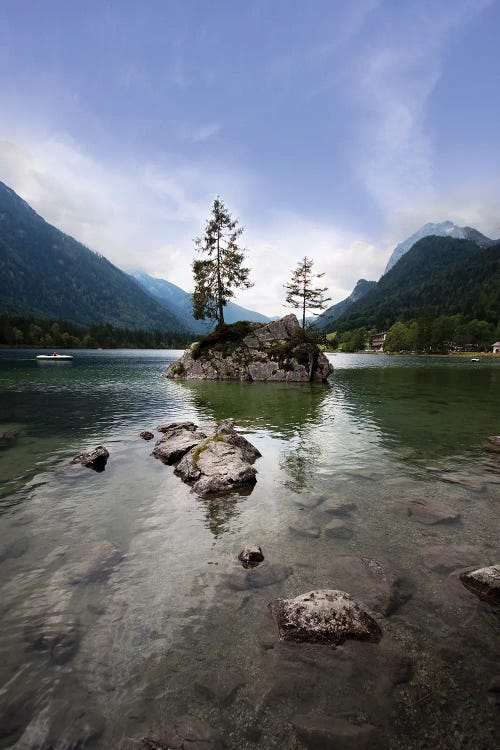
[{"x": 331, "y": 129}]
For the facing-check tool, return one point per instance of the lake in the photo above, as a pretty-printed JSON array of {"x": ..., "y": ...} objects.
[{"x": 169, "y": 628}]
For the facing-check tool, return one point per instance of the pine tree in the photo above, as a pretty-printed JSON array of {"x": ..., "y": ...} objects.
[
  {"x": 300, "y": 292},
  {"x": 216, "y": 277}
]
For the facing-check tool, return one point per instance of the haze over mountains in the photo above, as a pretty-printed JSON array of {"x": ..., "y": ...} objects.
[
  {"x": 47, "y": 274},
  {"x": 179, "y": 302}
]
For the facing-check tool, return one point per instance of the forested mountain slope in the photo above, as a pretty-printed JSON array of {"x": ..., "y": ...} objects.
[
  {"x": 448, "y": 275},
  {"x": 47, "y": 274}
]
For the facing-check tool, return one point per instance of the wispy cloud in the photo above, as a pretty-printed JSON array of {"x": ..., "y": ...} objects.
[
  {"x": 200, "y": 133},
  {"x": 393, "y": 84}
]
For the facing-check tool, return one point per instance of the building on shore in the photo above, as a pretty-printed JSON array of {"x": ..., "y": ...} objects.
[
  {"x": 377, "y": 342},
  {"x": 496, "y": 347}
]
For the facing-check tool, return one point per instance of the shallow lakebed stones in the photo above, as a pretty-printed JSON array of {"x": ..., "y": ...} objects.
[
  {"x": 275, "y": 351},
  {"x": 214, "y": 464},
  {"x": 484, "y": 583},
  {"x": 325, "y": 616},
  {"x": 95, "y": 459}
]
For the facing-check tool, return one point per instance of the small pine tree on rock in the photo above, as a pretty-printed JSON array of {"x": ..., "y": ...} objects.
[
  {"x": 216, "y": 277},
  {"x": 301, "y": 292}
]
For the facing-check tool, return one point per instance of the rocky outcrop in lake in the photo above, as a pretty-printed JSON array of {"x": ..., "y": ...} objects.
[
  {"x": 95, "y": 459},
  {"x": 214, "y": 464},
  {"x": 276, "y": 351}
]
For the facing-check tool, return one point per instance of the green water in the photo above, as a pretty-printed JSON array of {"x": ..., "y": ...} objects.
[{"x": 148, "y": 638}]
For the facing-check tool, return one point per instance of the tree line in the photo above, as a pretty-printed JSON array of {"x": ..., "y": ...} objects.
[
  {"x": 427, "y": 334},
  {"x": 62, "y": 334}
]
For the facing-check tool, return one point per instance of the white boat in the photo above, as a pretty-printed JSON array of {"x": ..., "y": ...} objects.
[
  {"x": 55, "y": 357},
  {"x": 475, "y": 359}
]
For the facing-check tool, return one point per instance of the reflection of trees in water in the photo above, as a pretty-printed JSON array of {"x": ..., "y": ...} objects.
[
  {"x": 299, "y": 462},
  {"x": 281, "y": 408},
  {"x": 285, "y": 410},
  {"x": 431, "y": 408},
  {"x": 220, "y": 512}
]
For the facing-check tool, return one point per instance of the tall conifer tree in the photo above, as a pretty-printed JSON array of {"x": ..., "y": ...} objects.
[
  {"x": 300, "y": 290},
  {"x": 222, "y": 271}
]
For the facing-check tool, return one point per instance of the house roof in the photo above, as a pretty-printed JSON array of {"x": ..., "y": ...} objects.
[{"x": 497, "y": 343}]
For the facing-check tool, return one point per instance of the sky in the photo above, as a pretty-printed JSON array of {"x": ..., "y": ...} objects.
[{"x": 330, "y": 129}]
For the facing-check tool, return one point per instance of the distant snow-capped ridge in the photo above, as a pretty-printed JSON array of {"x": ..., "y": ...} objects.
[{"x": 443, "y": 229}]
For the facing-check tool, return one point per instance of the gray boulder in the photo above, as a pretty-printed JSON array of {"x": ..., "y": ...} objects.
[
  {"x": 324, "y": 616},
  {"x": 220, "y": 463},
  {"x": 275, "y": 351},
  {"x": 484, "y": 583},
  {"x": 251, "y": 555},
  {"x": 178, "y": 438},
  {"x": 95, "y": 459}
]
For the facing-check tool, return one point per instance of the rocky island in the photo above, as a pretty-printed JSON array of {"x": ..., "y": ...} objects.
[{"x": 276, "y": 351}]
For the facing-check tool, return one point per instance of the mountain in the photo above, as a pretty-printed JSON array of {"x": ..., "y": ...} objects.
[
  {"x": 47, "y": 274},
  {"x": 446, "y": 274},
  {"x": 178, "y": 302},
  {"x": 334, "y": 312},
  {"x": 444, "y": 229}
]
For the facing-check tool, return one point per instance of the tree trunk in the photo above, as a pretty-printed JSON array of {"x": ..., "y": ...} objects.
[{"x": 219, "y": 286}]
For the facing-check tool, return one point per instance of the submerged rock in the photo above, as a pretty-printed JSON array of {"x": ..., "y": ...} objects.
[
  {"x": 187, "y": 733},
  {"x": 178, "y": 439},
  {"x": 492, "y": 444},
  {"x": 337, "y": 529},
  {"x": 100, "y": 563},
  {"x": 95, "y": 459},
  {"x": 324, "y": 616},
  {"x": 444, "y": 558},
  {"x": 8, "y": 439},
  {"x": 251, "y": 555},
  {"x": 336, "y": 508},
  {"x": 220, "y": 687},
  {"x": 146, "y": 435},
  {"x": 277, "y": 351},
  {"x": 484, "y": 583},
  {"x": 220, "y": 463},
  {"x": 371, "y": 583},
  {"x": 15, "y": 549},
  {"x": 54, "y": 633},
  {"x": 305, "y": 527},
  {"x": 425, "y": 511},
  {"x": 321, "y": 732},
  {"x": 266, "y": 574}
]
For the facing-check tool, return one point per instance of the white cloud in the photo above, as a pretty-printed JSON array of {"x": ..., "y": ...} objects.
[{"x": 146, "y": 216}]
